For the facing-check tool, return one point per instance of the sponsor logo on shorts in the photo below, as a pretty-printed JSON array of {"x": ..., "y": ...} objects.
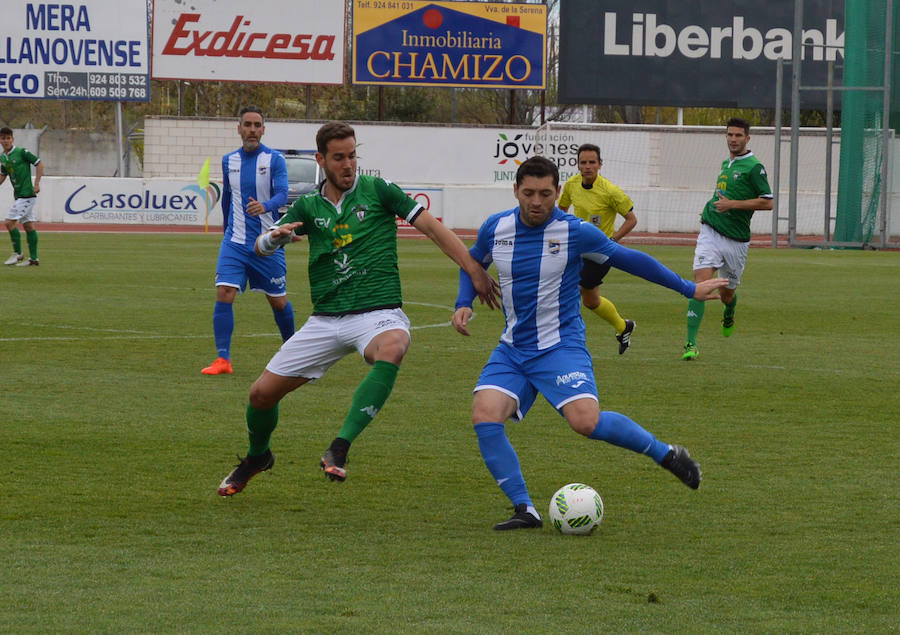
[
  {"x": 278, "y": 282},
  {"x": 576, "y": 379}
]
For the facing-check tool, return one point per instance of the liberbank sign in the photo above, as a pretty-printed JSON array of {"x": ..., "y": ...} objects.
[
  {"x": 724, "y": 53},
  {"x": 466, "y": 44}
]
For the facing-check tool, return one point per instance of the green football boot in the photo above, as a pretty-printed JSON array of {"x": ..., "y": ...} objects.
[
  {"x": 727, "y": 326},
  {"x": 690, "y": 352}
]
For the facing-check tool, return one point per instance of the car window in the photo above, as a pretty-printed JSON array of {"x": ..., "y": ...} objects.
[{"x": 302, "y": 170}]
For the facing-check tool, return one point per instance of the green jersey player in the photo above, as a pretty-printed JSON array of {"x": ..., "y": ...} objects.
[
  {"x": 16, "y": 163},
  {"x": 350, "y": 221},
  {"x": 722, "y": 245}
]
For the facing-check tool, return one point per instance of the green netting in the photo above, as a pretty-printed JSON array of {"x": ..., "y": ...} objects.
[{"x": 862, "y": 121}]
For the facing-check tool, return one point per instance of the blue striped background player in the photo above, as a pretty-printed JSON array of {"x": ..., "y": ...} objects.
[
  {"x": 254, "y": 188},
  {"x": 537, "y": 249}
]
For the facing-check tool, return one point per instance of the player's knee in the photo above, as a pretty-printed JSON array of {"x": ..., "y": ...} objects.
[{"x": 262, "y": 397}]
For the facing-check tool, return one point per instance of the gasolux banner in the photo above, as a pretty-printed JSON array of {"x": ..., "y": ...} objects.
[{"x": 465, "y": 44}]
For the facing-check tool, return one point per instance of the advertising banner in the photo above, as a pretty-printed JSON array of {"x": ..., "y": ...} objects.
[
  {"x": 233, "y": 40},
  {"x": 465, "y": 44},
  {"x": 136, "y": 201},
  {"x": 95, "y": 50},
  {"x": 707, "y": 54}
]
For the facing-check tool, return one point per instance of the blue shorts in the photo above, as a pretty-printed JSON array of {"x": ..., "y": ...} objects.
[
  {"x": 238, "y": 264},
  {"x": 562, "y": 374}
]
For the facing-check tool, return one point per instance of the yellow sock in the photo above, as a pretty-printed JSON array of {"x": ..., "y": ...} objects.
[{"x": 607, "y": 311}]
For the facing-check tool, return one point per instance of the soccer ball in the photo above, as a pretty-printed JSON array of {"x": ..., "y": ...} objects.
[{"x": 576, "y": 508}]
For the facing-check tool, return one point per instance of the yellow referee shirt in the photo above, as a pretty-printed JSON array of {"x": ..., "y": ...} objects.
[{"x": 598, "y": 205}]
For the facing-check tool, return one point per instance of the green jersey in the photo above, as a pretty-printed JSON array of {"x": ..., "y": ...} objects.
[
  {"x": 741, "y": 179},
  {"x": 353, "y": 245},
  {"x": 16, "y": 164}
]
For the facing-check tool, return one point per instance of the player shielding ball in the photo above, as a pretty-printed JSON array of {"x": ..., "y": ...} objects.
[{"x": 351, "y": 224}]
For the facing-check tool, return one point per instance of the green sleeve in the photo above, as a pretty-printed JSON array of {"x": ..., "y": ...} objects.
[
  {"x": 295, "y": 213},
  {"x": 760, "y": 181},
  {"x": 394, "y": 199}
]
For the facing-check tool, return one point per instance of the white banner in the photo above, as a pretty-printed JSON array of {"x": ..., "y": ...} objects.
[
  {"x": 261, "y": 41},
  {"x": 95, "y": 50}
]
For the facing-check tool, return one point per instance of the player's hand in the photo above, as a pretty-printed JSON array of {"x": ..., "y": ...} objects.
[
  {"x": 486, "y": 287},
  {"x": 723, "y": 203},
  {"x": 268, "y": 243},
  {"x": 709, "y": 289},
  {"x": 460, "y": 319},
  {"x": 37, "y": 188},
  {"x": 255, "y": 208}
]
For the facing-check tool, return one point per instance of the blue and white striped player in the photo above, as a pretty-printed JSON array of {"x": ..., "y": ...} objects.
[
  {"x": 254, "y": 188},
  {"x": 538, "y": 250}
]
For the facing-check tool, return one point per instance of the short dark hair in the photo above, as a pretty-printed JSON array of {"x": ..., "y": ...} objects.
[
  {"x": 588, "y": 147},
  {"x": 537, "y": 166},
  {"x": 247, "y": 109},
  {"x": 5, "y": 131},
  {"x": 737, "y": 122},
  {"x": 333, "y": 130}
]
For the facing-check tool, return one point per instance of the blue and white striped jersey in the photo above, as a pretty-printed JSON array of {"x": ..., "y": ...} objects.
[
  {"x": 538, "y": 270},
  {"x": 261, "y": 175}
]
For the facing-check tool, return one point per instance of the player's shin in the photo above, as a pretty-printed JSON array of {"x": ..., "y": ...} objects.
[
  {"x": 619, "y": 430},
  {"x": 260, "y": 425},
  {"x": 368, "y": 399},
  {"x": 502, "y": 461}
]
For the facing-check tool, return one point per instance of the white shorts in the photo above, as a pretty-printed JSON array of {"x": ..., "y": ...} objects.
[
  {"x": 726, "y": 255},
  {"x": 23, "y": 210},
  {"x": 324, "y": 340}
]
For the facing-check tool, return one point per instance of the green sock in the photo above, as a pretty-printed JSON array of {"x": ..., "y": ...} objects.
[
  {"x": 729, "y": 308},
  {"x": 368, "y": 399},
  {"x": 16, "y": 239},
  {"x": 694, "y": 317},
  {"x": 260, "y": 424},
  {"x": 31, "y": 237}
]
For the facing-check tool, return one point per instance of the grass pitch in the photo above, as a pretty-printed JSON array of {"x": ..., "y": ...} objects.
[{"x": 113, "y": 445}]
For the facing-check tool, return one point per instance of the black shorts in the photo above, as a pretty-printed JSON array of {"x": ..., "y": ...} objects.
[{"x": 592, "y": 274}]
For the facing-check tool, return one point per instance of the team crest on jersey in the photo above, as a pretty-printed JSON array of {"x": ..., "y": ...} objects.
[
  {"x": 361, "y": 212},
  {"x": 553, "y": 246},
  {"x": 736, "y": 175},
  {"x": 263, "y": 169}
]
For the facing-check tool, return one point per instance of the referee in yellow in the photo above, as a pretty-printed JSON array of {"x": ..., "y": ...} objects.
[{"x": 599, "y": 201}]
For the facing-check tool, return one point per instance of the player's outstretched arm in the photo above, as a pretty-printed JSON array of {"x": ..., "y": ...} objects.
[
  {"x": 268, "y": 243},
  {"x": 485, "y": 286}
]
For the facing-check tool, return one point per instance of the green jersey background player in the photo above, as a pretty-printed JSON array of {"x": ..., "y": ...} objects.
[
  {"x": 350, "y": 221},
  {"x": 598, "y": 201},
  {"x": 724, "y": 239},
  {"x": 16, "y": 163}
]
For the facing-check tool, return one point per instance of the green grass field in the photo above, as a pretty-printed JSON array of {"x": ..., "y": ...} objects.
[{"x": 113, "y": 445}]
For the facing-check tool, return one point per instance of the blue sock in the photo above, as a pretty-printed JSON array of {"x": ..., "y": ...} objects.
[
  {"x": 223, "y": 327},
  {"x": 502, "y": 462},
  {"x": 285, "y": 321},
  {"x": 619, "y": 430}
]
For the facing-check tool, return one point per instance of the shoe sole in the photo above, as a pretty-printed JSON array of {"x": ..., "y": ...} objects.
[{"x": 333, "y": 472}]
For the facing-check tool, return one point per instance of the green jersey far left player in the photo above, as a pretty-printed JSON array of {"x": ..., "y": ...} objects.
[
  {"x": 16, "y": 163},
  {"x": 351, "y": 224}
]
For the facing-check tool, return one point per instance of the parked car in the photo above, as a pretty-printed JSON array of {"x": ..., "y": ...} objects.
[{"x": 304, "y": 173}]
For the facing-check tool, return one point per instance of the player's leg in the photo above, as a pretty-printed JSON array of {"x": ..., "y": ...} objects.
[
  {"x": 14, "y": 236},
  {"x": 592, "y": 275},
  {"x": 269, "y": 275},
  {"x": 31, "y": 236},
  {"x": 503, "y": 393},
  {"x": 707, "y": 260},
  {"x": 231, "y": 277},
  {"x": 382, "y": 338},
  {"x": 303, "y": 358},
  {"x": 735, "y": 256},
  {"x": 262, "y": 418}
]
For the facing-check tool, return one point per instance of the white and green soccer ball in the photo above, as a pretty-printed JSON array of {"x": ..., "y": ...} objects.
[{"x": 576, "y": 508}]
